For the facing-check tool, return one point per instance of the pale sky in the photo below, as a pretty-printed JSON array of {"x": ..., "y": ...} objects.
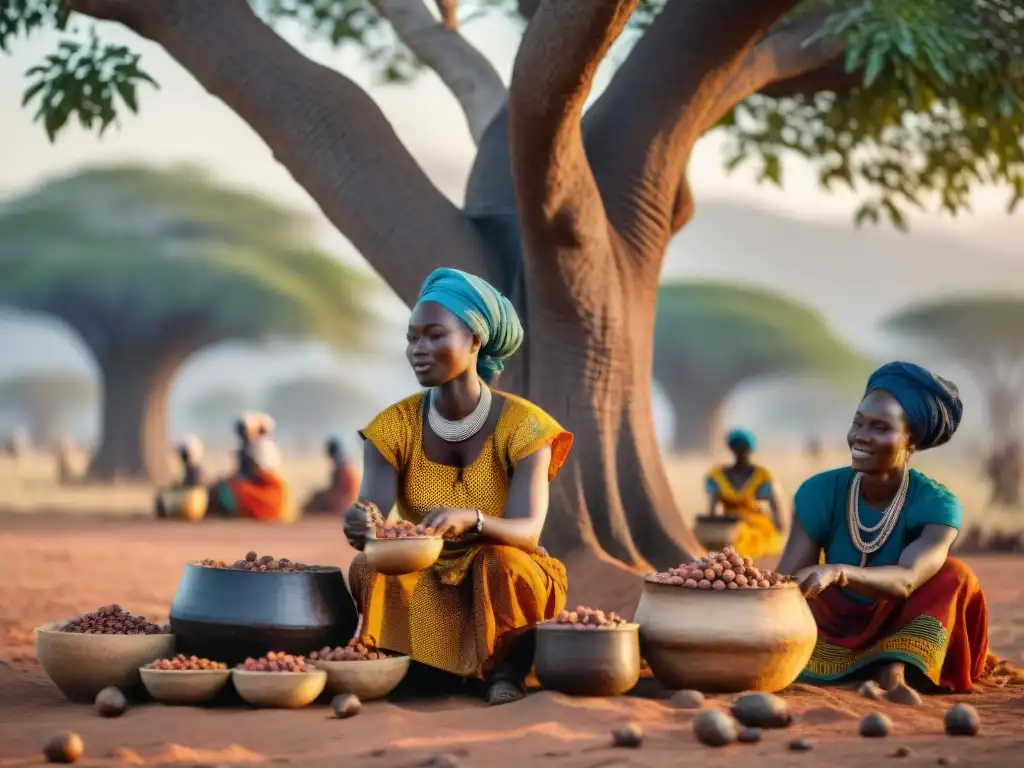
[{"x": 182, "y": 123}]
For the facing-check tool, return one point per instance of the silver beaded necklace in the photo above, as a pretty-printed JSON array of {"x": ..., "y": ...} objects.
[
  {"x": 462, "y": 429},
  {"x": 884, "y": 527}
]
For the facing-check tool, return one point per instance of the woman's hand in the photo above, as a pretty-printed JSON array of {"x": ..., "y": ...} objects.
[
  {"x": 817, "y": 578},
  {"x": 356, "y": 525},
  {"x": 449, "y": 523}
]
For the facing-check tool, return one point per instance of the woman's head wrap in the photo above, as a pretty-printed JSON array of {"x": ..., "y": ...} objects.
[
  {"x": 483, "y": 310},
  {"x": 930, "y": 403},
  {"x": 741, "y": 438}
]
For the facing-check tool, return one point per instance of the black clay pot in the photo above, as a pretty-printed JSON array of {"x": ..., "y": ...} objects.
[{"x": 227, "y": 615}]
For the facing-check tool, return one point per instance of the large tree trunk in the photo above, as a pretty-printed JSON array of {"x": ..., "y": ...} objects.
[
  {"x": 1004, "y": 406},
  {"x": 697, "y": 420},
  {"x": 136, "y": 386}
]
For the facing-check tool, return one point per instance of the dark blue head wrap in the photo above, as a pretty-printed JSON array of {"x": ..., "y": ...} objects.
[
  {"x": 482, "y": 309},
  {"x": 741, "y": 437},
  {"x": 930, "y": 403}
]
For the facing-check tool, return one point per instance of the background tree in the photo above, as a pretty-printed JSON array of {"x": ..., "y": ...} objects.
[
  {"x": 309, "y": 408},
  {"x": 711, "y": 338},
  {"x": 47, "y": 402},
  {"x": 984, "y": 334},
  {"x": 149, "y": 267},
  {"x": 900, "y": 99}
]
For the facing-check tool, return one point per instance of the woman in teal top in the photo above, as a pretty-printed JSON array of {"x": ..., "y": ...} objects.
[{"x": 869, "y": 544}]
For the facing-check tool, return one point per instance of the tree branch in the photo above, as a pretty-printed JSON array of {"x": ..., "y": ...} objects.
[
  {"x": 321, "y": 126},
  {"x": 467, "y": 72},
  {"x": 559, "y": 203},
  {"x": 783, "y": 64},
  {"x": 645, "y": 124}
]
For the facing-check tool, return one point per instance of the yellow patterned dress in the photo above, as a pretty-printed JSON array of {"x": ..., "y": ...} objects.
[
  {"x": 757, "y": 536},
  {"x": 458, "y": 615}
]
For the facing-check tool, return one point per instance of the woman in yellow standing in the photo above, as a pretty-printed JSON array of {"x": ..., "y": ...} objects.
[
  {"x": 741, "y": 490},
  {"x": 474, "y": 464}
]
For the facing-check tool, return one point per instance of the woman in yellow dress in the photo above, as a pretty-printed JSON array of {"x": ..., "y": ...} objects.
[
  {"x": 474, "y": 464},
  {"x": 741, "y": 490}
]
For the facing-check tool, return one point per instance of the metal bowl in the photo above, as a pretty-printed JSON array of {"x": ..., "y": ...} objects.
[
  {"x": 372, "y": 679},
  {"x": 228, "y": 615},
  {"x": 725, "y": 641},
  {"x": 716, "y": 531},
  {"x": 396, "y": 557},
  {"x": 82, "y": 665},
  {"x": 184, "y": 686},
  {"x": 587, "y": 662},
  {"x": 282, "y": 690}
]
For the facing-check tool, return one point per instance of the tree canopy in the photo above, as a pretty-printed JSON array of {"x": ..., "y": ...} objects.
[
  {"x": 47, "y": 401},
  {"x": 311, "y": 406},
  {"x": 984, "y": 334},
  {"x": 711, "y": 337},
  {"x": 906, "y": 102},
  {"x": 148, "y": 267}
]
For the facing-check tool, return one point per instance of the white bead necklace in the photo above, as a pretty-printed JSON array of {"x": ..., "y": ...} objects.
[
  {"x": 885, "y": 526},
  {"x": 462, "y": 429}
]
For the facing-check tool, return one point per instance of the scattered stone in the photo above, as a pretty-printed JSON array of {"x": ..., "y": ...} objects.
[
  {"x": 944, "y": 760},
  {"x": 871, "y": 690},
  {"x": 346, "y": 705},
  {"x": 715, "y": 729},
  {"x": 688, "y": 699},
  {"x": 441, "y": 761},
  {"x": 761, "y": 710},
  {"x": 110, "y": 702},
  {"x": 64, "y": 748},
  {"x": 629, "y": 735},
  {"x": 901, "y": 751},
  {"x": 800, "y": 745},
  {"x": 905, "y": 695},
  {"x": 962, "y": 720},
  {"x": 750, "y": 735},
  {"x": 875, "y": 725}
]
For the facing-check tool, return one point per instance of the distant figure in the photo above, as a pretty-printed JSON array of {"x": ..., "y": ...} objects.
[
  {"x": 344, "y": 485},
  {"x": 257, "y": 489},
  {"x": 65, "y": 455},
  {"x": 17, "y": 444},
  {"x": 813, "y": 449},
  {"x": 742, "y": 489},
  {"x": 191, "y": 454},
  {"x": 1004, "y": 471},
  {"x": 171, "y": 502}
]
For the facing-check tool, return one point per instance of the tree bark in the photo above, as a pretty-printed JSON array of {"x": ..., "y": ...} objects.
[
  {"x": 697, "y": 423},
  {"x": 136, "y": 389}
]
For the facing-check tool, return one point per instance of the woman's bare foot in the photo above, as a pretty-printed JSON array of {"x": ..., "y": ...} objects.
[
  {"x": 892, "y": 676},
  {"x": 505, "y": 691},
  {"x": 893, "y": 681}
]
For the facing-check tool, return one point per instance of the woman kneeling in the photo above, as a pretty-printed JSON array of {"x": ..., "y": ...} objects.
[
  {"x": 474, "y": 464},
  {"x": 870, "y": 547}
]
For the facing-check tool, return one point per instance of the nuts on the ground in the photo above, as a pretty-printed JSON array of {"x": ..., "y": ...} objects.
[
  {"x": 761, "y": 710},
  {"x": 110, "y": 702},
  {"x": 714, "y": 728},
  {"x": 182, "y": 662},
  {"x": 962, "y": 720},
  {"x": 722, "y": 570},
  {"x": 63, "y": 748},
  {"x": 111, "y": 620},
  {"x": 688, "y": 699},
  {"x": 629, "y": 735},
  {"x": 590, "y": 618},
  {"x": 346, "y": 705},
  {"x": 875, "y": 725}
]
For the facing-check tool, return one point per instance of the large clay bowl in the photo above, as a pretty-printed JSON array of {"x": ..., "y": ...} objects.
[
  {"x": 716, "y": 531},
  {"x": 587, "y": 662},
  {"x": 281, "y": 690},
  {"x": 228, "y": 615},
  {"x": 372, "y": 679},
  {"x": 184, "y": 686},
  {"x": 186, "y": 503},
  {"x": 396, "y": 557},
  {"x": 83, "y": 665},
  {"x": 728, "y": 641}
]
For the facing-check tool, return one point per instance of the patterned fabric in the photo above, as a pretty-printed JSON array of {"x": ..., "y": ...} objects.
[
  {"x": 941, "y": 630},
  {"x": 757, "y": 535},
  {"x": 454, "y": 615}
]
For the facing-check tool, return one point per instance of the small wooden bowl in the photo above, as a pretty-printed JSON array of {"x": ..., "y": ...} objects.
[
  {"x": 368, "y": 680},
  {"x": 184, "y": 686},
  {"x": 397, "y": 557},
  {"x": 186, "y": 503},
  {"x": 83, "y": 665},
  {"x": 587, "y": 662},
  {"x": 281, "y": 690},
  {"x": 716, "y": 531}
]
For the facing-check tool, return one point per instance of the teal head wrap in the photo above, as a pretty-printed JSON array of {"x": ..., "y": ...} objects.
[
  {"x": 483, "y": 310},
  {"x": 743, "y": 438}
]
